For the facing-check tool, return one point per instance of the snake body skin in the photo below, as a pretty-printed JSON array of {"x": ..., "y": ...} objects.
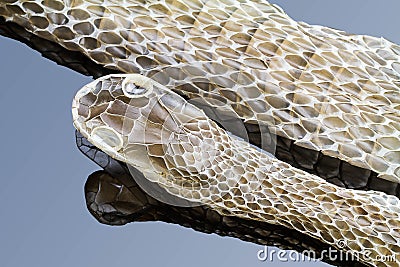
[
  {"x": 251, "y": 56},
  {"x": 174, "y": 144},
  {"x": 309, "y": 84}
]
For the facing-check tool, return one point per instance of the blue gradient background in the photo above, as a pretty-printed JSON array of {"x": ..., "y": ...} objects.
[{"x": 43, "y": 218}]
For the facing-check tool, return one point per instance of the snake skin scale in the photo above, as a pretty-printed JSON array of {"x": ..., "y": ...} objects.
[
  {"x": 175, "y": 145},
  {"x": 263, "y": 56},
  {"x": 243, "y": 61}
]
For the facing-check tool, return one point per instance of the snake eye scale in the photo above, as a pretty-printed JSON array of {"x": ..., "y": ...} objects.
[{"x": 230, "y": 117}]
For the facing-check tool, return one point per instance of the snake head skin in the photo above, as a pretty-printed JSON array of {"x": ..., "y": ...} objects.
[{"x": 138, "y": 121}]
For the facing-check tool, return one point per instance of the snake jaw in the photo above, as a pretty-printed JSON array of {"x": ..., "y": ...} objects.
[{"x": 151, "y": 116}]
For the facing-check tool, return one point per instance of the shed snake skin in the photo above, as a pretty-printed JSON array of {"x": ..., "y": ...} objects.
[{"x": 331, "y": 98}]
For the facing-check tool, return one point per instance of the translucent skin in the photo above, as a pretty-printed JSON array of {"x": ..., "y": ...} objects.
[
  {"x": 310, "y": 83},
  {"x": 175, "y": 145}
]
